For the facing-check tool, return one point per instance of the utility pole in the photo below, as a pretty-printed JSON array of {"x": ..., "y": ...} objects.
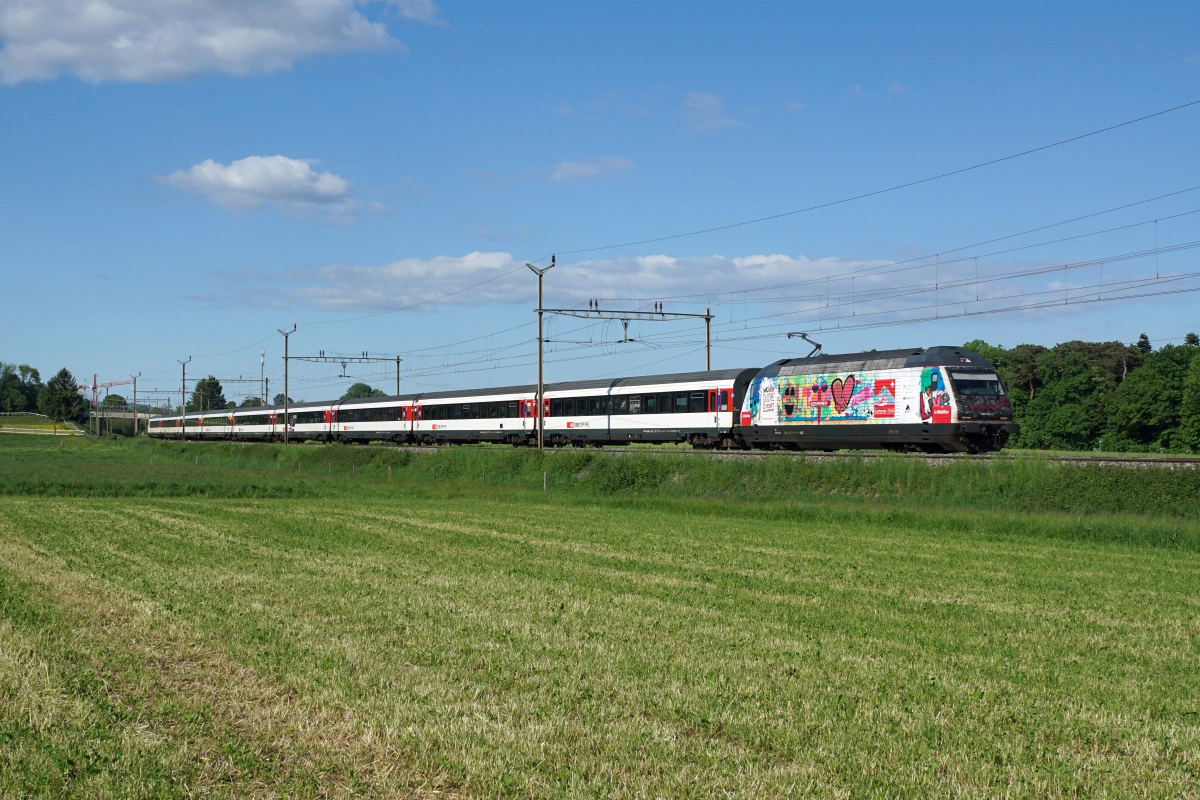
[
  {"x": 135, "y": 409},
  {"x": 539, "y": 415},
  {"x": 183, "y": 399},
  {"x": 262, "y": 375},
  {"x": 708, "y": 339},
  {"x": 286, "y": 408},
  {"x": 397, "y": 375},
  {"x": 266, "y": 400}
]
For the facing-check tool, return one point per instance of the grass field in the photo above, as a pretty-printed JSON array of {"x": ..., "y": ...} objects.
[
  {"x": 199, "y": 628},
  {"x": 34, "y": 424}
]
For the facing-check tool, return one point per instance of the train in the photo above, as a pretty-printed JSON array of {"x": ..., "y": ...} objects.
[{"x": 936, "y": 399}]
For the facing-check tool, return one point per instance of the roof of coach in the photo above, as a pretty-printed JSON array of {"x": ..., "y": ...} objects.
[
  {"x": 941, "y": 356},
  {"x": 606, "y": 383}
]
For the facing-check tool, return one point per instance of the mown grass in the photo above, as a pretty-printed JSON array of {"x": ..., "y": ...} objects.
[
  {"x": 1027, "y": 484},
  {"x": 443, "y": 637}
]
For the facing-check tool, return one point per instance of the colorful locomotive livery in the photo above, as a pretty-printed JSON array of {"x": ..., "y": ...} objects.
[
  {"x": 867, "y": 397},
  {"x": 936, "y": 399},
  {"x": 896, "y": 399}
]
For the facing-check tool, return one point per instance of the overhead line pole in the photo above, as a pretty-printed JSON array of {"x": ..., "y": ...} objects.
[
  {"x": 538, "y": 414},
  {"x": 183, "y": 399},
  {"x": 286, "y": 407},
  {"x": 135, "y": 408}
]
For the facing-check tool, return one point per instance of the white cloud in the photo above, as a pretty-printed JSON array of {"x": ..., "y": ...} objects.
[
  {"x": 706, "y": 112},
  {"x": 897, "y": 87},
  {"x": 408, "y": 281},
  {"x": 591, "y": 167},
  {"x": 795, "y": 105},
  {"x": 289, "y": 184},
  {"x": 158, "y": 40}
]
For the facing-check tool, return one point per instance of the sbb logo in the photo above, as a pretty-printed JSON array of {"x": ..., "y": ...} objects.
[{"x": 747, "y": 421}]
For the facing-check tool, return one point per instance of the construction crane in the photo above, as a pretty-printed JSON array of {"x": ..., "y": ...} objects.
[{"x": 96, "y": 387}]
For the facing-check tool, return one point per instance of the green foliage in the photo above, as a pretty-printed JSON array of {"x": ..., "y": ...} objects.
[
  {"x": 361, "y": 390},
  {"x": 60, "y": 398},
  {"x": 115, "y": 402},
  {"x": 207, "y": 395},
  {"x": 19, "y": 387},
  {"x": 278, "y": 400},
  {"x": 252, "y": 402},
  {"x": 1146, "y": 406},
  {"x": 1101, "y": 395}
]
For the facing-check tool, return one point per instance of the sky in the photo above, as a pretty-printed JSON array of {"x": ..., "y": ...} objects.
[{"x": 182, "y": 179}]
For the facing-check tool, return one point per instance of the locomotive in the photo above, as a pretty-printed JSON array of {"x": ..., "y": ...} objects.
[{"x": 937, "y": 399}]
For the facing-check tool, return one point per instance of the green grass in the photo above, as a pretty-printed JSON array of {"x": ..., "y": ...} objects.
[
  {"x": 33, "y": 424},
  {"x": 631, "y": 632}
]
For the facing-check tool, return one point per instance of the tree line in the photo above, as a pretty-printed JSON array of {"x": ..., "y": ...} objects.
[{"x": 1106, "y": 396}]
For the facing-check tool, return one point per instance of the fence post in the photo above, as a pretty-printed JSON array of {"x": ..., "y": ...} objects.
[
  {"x": 543, "y": 480},
  {"x": 389, "y": 472}
]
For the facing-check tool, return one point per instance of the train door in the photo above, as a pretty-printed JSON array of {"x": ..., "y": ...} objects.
[{"x": 714, "y": 410}]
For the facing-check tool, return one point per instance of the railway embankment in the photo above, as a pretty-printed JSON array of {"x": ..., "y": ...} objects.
[{"x": 1019, "y": 484}]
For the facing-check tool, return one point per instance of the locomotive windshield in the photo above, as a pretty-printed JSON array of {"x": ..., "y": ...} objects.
[{"x": 978, "y": 384}]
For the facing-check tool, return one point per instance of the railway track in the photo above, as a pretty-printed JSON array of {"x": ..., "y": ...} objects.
[{"x": 933, "y": 459}]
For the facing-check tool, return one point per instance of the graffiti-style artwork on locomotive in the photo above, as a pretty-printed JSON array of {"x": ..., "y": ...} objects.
[
  {"x": 935, "y": 400},
  {"x": 862, "y": 397},
  {"x": 823, "y": 399}
]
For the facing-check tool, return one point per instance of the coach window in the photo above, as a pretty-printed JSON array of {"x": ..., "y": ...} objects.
[
  {"x": 650, "y": 404},
  {"x": 635, "y": 404},
  {"x": 595, "y": 406},
  {"x": 681, "y": 402},
  {"x": 621, "y": 404},
  {"x": 474, "y": 411},
  {"x": 512, "y": 409},
  {"x": 666, "y": 404},
  {"x": 556, "y": 407},
  {"x": 696, "y": 402}
]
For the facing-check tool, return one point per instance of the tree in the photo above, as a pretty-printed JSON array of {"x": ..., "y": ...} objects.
[
  {"x": 1192, "y": 340},
  {"x": 1068, "y": 412},
  {"x": 360, "y": 390},
  {"x": 1147, "y": 406},
  {"x": 278, "y": 400},
  {"x": 252, "y": 402},
  {"x": 1143, "y": 345},
  {"x": 207, "y": 395},
  {"x": 60, "y": 398},
  {"x": 115, "y": 402},
  {"x": 19, "y": 387},
  {"x": 1189, "y": 409},
  {"x": 1021, "y": 368}
]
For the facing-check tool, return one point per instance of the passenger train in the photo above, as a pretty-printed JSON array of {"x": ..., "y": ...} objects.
[{"x": 939, "y": 399}]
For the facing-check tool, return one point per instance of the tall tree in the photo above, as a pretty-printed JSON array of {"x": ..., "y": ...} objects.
[
  {"x": 115, "y": 402},
  {"x": 207, "y": 395},
  {"x": 278, "y": 400},
  {"x": 1143, "y": 345},
  {"x": 252, "y": 402},
  {"x": 60, "y": 399},
  {"x": 1192, "y": 340},
  {"x": 360, "y": 390},
  {"x": 1068, "y": 411},
  {"x": 19, "y": 387}
]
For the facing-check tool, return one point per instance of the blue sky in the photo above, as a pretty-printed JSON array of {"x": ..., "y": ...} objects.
[{"x": 184, "y": 178}]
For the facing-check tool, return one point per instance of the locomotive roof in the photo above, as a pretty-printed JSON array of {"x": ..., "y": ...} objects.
[{"x": 941, "y": 356}]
